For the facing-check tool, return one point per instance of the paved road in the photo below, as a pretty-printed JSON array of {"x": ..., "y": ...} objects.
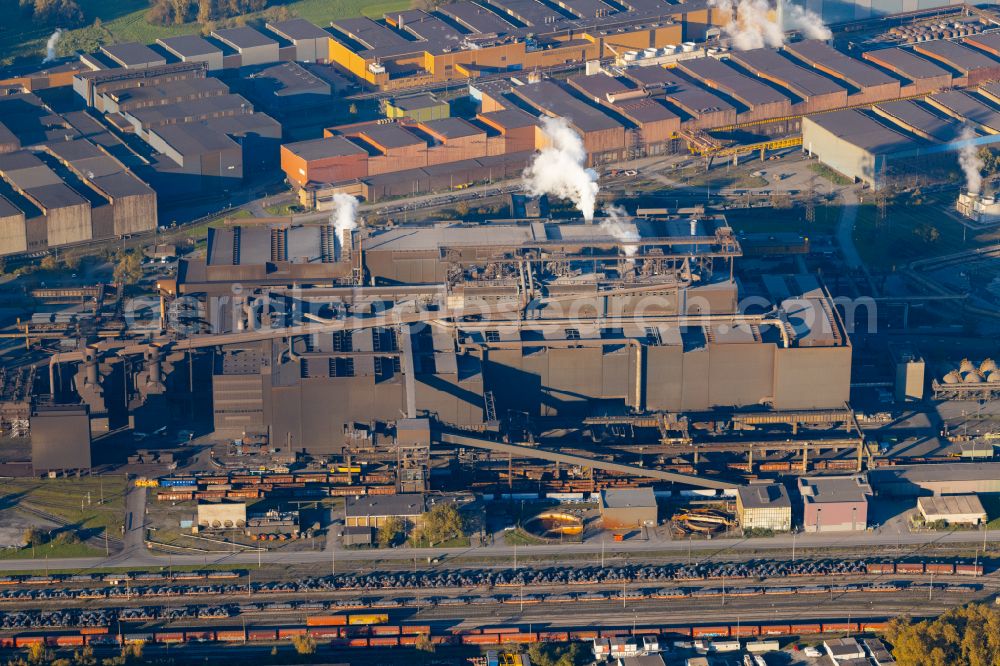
[
  {"x": 139, "y": 558},
  {"x": 845, "y": 228},
  {"x": 135, "y": 519}
]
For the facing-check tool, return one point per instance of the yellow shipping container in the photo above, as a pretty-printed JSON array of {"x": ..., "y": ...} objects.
[{"x": 380, "y": 618}]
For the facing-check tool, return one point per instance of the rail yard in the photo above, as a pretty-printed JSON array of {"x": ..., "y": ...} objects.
[{"x": 635, "y": 332}]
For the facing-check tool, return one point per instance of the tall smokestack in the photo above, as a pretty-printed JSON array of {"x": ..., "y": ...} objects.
[
  {"x": 155, "y": 368},
  {"x": 969, "y": 160},
  {"x": 50, "y": 46},
  {"x": 344, "y": 219},
  {"x": 559, "y": 170},
  {"x": 90, "y": 366}
]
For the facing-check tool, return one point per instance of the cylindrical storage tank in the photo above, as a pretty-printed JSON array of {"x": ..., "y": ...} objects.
[
  {"x": 987, "y": 366},
  {"x": 993, "y": 377},
  {"x": 972, "y": 377},
  {"x": 966, "y": 366},
  {"x": 630, "y": 56},
  {"x": 90, "y": 365},
  {"x": 670, "y": 49},
  {"x": 649, "y": 53},
  {"x": 952, "y": 377},
  {"x": 687, "y": 47}
]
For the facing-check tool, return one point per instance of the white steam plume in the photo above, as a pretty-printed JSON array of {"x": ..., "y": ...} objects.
[
  {"x": 50, "y": 46},
  {"x": 969, "y": 160},
  {"x": 754, "y": 24},
  {"x": 619, "y": 224},
  {"x": 345, "y": 208},
  {"x": 559, "y": 168},
  {"x": 806, "y": 21}
]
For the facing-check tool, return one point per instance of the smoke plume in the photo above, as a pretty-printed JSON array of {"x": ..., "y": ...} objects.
[
  {"x": 806, "y": 21},
  {"x": 345, "y": 208},
  {"x": 754, "y": 24},
  {"x": 969, "y": 160},
  {"x": 619, "y": 224},
  {"x": 559, "y": 169},
  {"x": 50, "y": 46}
]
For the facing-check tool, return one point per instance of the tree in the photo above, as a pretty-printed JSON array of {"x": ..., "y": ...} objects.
[
  {"x": 442, "y": 522},
  {"x": 65, "y": 13},
  {"x": 49, "y": 262},
  {"x": 160, "y": 12},
  {"x": 206, "y": 11},
  {"x": 85, "y": 657},
  {"x": 928, "y": 233},
  {"x": 555, "y": 654},
  {"x": 390, "y": 531},
  {"x": 969, "y": 635},
  {"x": 304, "y": 644},
  {"x": 182, "y": 11},
  {"x": 33, "y": 537},
  {"x": 128, "y": 268},
  {"x": 424, "y": 643},
  {"x": 38, "y": 653},
  {"x": 133, "y": 652}
]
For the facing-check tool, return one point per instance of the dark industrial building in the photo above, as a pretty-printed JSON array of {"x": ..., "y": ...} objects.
[
  {"x": 59, "y": 188},
  {"x": 60, "y": 438},
  {"x": 469, "y": 373},
  {"x": 289, "y": 88},
  {"x": 202, "y": 137}
]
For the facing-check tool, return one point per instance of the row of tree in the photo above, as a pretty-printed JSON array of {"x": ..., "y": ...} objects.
[
  {"x": 966, "y": 636},
  {"x": 39, "y": 654},
  {"x": 62, "y": 13},
  {"x": 441, "y": 523},
  {"x": 178, "y": 12}
]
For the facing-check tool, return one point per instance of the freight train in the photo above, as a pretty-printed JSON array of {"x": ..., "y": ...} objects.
[
  {"x": 492, "y": 578},
  {"x": 16, "y": 620},
  {"x": 384, "y": 635}
]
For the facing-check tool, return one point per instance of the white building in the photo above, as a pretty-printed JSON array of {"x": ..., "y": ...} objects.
[
  {"x": 980, "y": 209},
  {"x": 953, "y": 509},
  {"x": 843, "y": 649}
]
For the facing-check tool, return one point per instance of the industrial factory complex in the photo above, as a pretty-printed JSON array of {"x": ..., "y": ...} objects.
[
  {"x": 209, "y": 113},
  {"x": 308, "y": 320},
  {"x": 320, "y": 339}
]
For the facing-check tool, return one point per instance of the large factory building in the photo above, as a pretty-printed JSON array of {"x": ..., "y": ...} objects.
[
  {"x": 59, "y": 181},
  {"x": 467, "y": 323}
]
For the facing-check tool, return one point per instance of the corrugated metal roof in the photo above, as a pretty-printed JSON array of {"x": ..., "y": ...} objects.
[
  {"x": 863, "y": 131},
  {"x": 718, "y": 74},
  {"x": 905, "y": 62},
  {"x": 554, "y": 99},
  {"x": 799, "y": 80},
  {"x": 955, "y": 55},
  {"x": 855, "y": 72}
]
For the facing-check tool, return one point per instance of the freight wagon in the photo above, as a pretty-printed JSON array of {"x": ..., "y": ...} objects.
[{"x": 379, "y": 618}]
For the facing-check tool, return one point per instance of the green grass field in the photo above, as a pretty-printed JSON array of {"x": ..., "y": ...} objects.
[
  {"x": 911, "y": 230},
  {"x": 74, "y": 502},
  {"x": 717, "y": 178},
  {"x": 771, "y": 220},
  {"x": 125, "y": 21},
  {"x": 824, "y": 171}
]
